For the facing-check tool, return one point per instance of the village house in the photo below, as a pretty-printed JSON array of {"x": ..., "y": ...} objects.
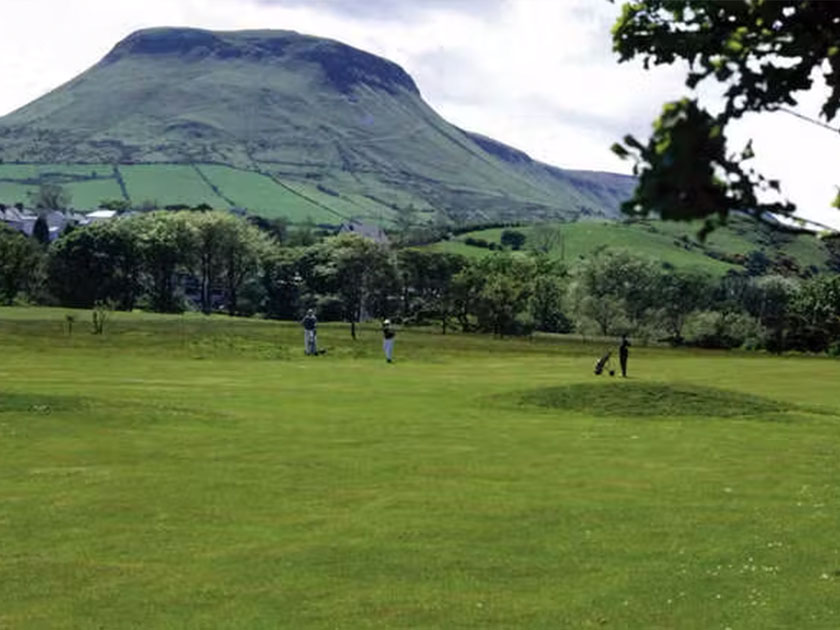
[
  {"x": 365, "y": 230},
  {"x": 23, "y": 220},
  {"x": 20, "y": 220}
]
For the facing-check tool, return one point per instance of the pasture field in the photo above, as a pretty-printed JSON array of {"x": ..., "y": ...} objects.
[
  {"x": 662, "y": 241},
  {"x": 91, "y": 193},
  {"x": 217, "y": 185},
  {"x": 192, "y": 472},
  {"x": 583, "y": 238},
  {"x": 262, "y": 195},
  {"x": 88, "y": 184},
  {"x": 168, "y": 184}
]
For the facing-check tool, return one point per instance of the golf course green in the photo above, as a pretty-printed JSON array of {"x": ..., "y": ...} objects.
[{"x": 201, "y": 472}]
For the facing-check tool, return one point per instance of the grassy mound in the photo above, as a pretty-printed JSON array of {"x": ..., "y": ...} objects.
[{"x": 652, "y": 399}]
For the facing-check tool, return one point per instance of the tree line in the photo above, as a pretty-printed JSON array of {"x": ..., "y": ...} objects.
[{"x": 216, "y": 261}]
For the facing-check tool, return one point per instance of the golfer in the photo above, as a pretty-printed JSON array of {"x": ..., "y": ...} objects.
[
  {"x": 623, "y": 352},
  {"x": 388, "y": 335},
  {"x": 309, "y": 323}
]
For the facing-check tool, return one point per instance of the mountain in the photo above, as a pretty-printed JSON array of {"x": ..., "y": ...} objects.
[{"x": 321, "y": 122}]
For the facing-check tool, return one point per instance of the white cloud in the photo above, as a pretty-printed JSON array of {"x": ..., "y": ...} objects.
[
  {"x": 536, "y": 74},
  {"x": 391, "y": 10}
]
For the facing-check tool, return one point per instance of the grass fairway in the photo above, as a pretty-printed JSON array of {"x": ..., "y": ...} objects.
[{"x": 183, "y": 472}]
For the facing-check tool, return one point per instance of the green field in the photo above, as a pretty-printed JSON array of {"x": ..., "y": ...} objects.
[
  {"x": 168, "y": 184},
  {"x": 262, "y": 195},
  {"x": 660, "y": 240},
  {"x": 216, "y": 185},
  {"x": 187, "y": 472},
  {"x": 13, "y": 192},
  {"x": 88, "y": 184},
  {"x": 91, "y": 193}
]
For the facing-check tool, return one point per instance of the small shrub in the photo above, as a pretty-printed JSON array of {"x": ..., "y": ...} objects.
[{"x": 477, "y": 242}]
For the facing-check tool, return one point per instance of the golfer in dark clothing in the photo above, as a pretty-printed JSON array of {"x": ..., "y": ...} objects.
[
  {"x": 623, "y": 351},
  {"x": 309, "y": 323}
]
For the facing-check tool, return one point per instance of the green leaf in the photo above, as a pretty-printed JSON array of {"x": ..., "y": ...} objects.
[{"x": 733, "y": 45}]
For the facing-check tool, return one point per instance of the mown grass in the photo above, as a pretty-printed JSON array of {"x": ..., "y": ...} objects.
[{"x": 200, "y": 472}]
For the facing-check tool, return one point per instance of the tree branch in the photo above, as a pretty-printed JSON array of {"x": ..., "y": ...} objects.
[{"x": 813, "y": 121}]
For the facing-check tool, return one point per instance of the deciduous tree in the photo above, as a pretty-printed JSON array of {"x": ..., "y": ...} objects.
[
  {"x": 167, "y": 243},
  {"x": 101, "y": 262},
  {"x": 19, "y": 259},
  {"x": 763, "y": 52},
  {"x": 51, "y": 196}
]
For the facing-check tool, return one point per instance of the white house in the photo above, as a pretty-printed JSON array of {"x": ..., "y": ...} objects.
[{"x": 365, "y": 230}]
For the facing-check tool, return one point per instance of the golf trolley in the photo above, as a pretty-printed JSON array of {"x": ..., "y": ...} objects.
[{"x": 604, "y": 363}]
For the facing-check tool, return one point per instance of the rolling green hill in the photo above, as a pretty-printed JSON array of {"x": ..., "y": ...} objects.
[
  {"x": 735, "y": 246},
  {"x": 282, "y": 124}
]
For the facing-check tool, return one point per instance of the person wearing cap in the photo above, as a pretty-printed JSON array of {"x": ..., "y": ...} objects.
[
  {"x": 309, "y": 323},
  {"x": 388, "y": 335}
]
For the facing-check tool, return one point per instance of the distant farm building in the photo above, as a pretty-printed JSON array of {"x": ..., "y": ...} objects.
[{"x": 365, "y": 230}]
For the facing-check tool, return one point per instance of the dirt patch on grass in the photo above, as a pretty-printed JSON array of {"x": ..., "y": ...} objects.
[{"x": 653, "y": 400}]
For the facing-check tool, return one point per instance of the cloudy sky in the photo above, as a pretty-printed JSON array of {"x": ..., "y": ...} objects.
[{"x": 536, "y": 74}]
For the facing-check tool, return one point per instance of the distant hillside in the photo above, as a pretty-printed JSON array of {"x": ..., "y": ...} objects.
[
  {"x": 741, "y": 245},
  {"x": 280, "y": 123}
]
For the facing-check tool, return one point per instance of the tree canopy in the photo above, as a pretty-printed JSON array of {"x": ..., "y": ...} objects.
[
  {"x": 51, "y": 196},
  {"x": 763, "y": 52}
]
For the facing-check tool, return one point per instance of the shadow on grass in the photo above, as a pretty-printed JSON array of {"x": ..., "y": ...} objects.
[
  {"x": 78, "y": 410},
  {"x": 655, "y": 400},
  {"x": 38, "y": 404}
]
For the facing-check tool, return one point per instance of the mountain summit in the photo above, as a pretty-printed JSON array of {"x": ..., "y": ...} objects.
[
  {"x": 294, "y": 108},
  {"x": 344, "y": 67}
]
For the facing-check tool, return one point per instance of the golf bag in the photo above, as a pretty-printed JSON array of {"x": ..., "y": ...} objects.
[{"x": 602, "y": 363}]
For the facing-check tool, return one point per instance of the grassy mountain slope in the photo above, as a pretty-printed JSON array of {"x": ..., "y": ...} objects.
[
  {"x": 297, "y": 109},
  {"x": 727, "y": 248}
]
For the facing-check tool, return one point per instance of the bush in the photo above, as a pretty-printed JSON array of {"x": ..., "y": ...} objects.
[
  {"x": 330, "y": 308},
  {"x": 711, "y": 329},
  {"x": 522, "y": 326},
  {"x": 556, "y": 322},
  {"x": 513, "y": 239},
  {"x": 477, "y": 242}
]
